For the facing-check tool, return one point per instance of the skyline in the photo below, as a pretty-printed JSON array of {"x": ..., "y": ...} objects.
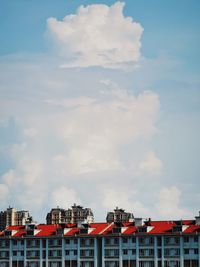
[{"x": 99, "y": 106}]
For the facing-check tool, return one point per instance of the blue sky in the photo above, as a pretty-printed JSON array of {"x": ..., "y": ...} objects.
[{"x": 117, "y": 111}]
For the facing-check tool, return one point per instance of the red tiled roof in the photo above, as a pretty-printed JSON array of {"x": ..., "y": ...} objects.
[
  {"x": 158, "y": 227},
  {"x": 98, "y": 228}
]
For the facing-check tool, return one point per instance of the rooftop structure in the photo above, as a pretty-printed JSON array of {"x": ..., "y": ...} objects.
[
  {"x": 76, "y": 214},
  {"x": 119, "y": 215},
  {"x": 13, "y": 217}
]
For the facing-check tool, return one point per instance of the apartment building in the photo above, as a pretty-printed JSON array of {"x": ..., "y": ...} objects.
[
  {"x": 74, "y": 215},
  {"x": 116, "y": 244},
  {"x": 13, "y": 217},
  {"x": 119, "y": 215}
]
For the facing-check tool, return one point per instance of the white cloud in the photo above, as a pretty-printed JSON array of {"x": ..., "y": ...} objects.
[
  {"x": 71, "y": 103},
  {"x": 168, "y": 204},
  {"x": 113, "y": 198},
  {"x": 64, "y": 197},
  {"x": 83, "y": 134},
  {"x": 4, "y": 193},
  {"x": 30, "y": 132},
  {"x": 97, "y": 131},
  {"x": 26, "y": 183},
  {"x": 151, "y": 165},
  {"x": 123, "y": 198},
  {"x": 9, "y": 178},
  {"x": 97, "y": 35},
  {"x": 76, "y": 139}
]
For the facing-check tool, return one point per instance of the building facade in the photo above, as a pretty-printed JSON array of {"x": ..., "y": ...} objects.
[
  {"x": 119, "y": 215},
  {"x": 147, "y": 244},
  {"x": 11, "y": 216},
  {"x": 74, "y": 215}
]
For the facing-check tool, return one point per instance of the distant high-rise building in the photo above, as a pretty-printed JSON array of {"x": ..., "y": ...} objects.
[
  {"x": 11, "y": 216},
  {"x": 74, "y": 215},
  {"x": 2, "y": 220},
  {"x": 119, "y": 215},
  {"x": 56, "y": 216}
]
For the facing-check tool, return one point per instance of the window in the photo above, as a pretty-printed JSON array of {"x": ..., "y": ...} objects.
[
  {"x": 107, "y": 252},
  {"x": 159, "y": 253},
  {"x": 133, "y": 239},
  {"x": 37, "y": 254},
  {"x": 83, "y": 231},
  {"x": 142, "y": 240},
  {"x": 107, "y": 241},
  {"x": 44, "y": 254},
  {"x": 125, "y": 240},
  {"x": 59, "y": 242},
  {"x": 116, "y": 230},
  {"x": 8, "y": 233},
  {"x": 14, "y": 253},
  {"x": 50, "y": 253},
  {"x": 82, "y": 253},
  {"x": 167, "y": 240},
  {"x": 142, "y": 229},
  {"x": 44, "y": 243},
  {"x": 82, "y": 242},
  {"x": 91, "y": 241},
  {"x": 50, "y": 242},
  {"x": 151, "y": 240},
  {"x": 186, "y": 239},
  {"x": 116, "y": 241},
  {"x": 91, "y": 253},
  {"x": 116, "y": 252},
  {"x": 176, "y": 240},
  {"x": 177, "y": 252},
  {"x": 167, "y": 252},
  {"x": 15, "y": 242},
  {"x": 159, "y": 240},
  {"x": 125, "y": 251},
  {"x": 146, "y": 264},
  {"x": 151, "y": 252},
  {"x": 133, "y": 251}
]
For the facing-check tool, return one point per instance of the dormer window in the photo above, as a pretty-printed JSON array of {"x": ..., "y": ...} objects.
[
  {"x": 8, "y": 233},
  {"x": 30, "y": 232},
  {"x": 142, "y": 229},
  {"x": 83, "y": 231},
  {"x": 30, "y": 226},
  {"x": 60, "y": 231},
  {"x": 179, "y": 228},
  {"x": 116, "y": 230}
]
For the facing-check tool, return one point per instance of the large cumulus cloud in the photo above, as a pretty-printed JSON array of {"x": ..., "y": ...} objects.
[{"x": 97, "y": 35}]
